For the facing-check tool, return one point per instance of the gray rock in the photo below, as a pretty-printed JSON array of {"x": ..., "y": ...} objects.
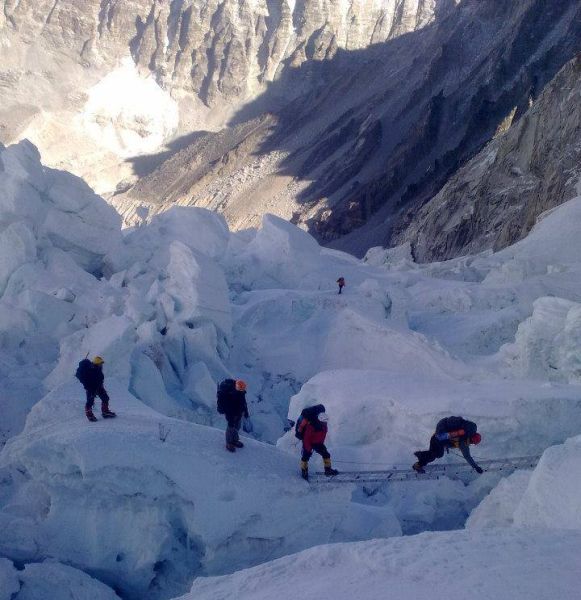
[
  {"x": 494, "y": 200},
  {"x": 217, "y": 51},
  {"x": 359, "y": 142}
]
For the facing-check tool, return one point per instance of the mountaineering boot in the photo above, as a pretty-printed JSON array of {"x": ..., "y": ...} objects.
[
  {"x": 418, "y": 468},
  {"x": 238, "y": 444},
  {"x": 231, "y": 447},
  {"x": 305, "y": 470},
  {"x": 329, "y": 471},
  {"x": 90, "y": 415},
  {"x": 105, "y": 412}
]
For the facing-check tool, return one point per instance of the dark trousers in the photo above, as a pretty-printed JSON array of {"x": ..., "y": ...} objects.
[
  {"x": 436, "y": 450},
  {"x": 319, "y": 449},
  {"x": 234, "y": 423},
  {"x": 92, "y": 394}
]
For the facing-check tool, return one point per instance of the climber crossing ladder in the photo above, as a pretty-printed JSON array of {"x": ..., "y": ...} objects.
[{"x": 440, "y": 471}]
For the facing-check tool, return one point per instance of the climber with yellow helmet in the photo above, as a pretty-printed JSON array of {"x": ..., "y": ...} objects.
[{"x": 90, "y": 374}]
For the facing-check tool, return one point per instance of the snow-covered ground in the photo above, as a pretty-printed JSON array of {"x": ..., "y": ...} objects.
[
  {"x": 479, "y": 565},
  {"x": 148, "y": 502}
]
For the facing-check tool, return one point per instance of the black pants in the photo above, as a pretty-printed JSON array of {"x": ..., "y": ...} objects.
[
  {"x": 436, "y": 450},
  {"x": 234, "y": 423},
  {"x": 319, "y": 449},
  {"x": 92, "y": 394}
]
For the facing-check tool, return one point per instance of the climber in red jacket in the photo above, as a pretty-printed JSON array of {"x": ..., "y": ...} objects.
[{"x": 312, "y": 430}]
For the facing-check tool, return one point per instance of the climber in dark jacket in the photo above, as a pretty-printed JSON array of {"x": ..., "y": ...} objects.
[
  {"x": 90, "y": 374},
  {"x": 451, "y": 432},
  {"x": 232, "y": 404}
]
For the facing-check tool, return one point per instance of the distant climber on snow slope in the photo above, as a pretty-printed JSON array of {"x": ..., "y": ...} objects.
[
  {"x": 231, "y": 397},
  {"x": 341, "y": 284},
  {"x": 311, "y": 428},
  {"x": 90, "y": 374},
  {"x": 451, "y": 432}
]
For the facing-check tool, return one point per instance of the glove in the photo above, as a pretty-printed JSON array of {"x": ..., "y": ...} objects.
[{"x": 478, "y": 470}]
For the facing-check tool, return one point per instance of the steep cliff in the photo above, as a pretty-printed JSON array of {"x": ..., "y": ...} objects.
[{"x": 494, "y": 199}]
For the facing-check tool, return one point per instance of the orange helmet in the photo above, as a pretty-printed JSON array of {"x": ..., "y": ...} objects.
[{"x": 240, "y": 385}]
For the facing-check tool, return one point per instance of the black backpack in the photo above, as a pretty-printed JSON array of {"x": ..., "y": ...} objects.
[
  {"x": 225, "y": 389},
  {"x": 298, "y": 432},
  {"x": 470, "y": 428},
  {"x": 309, "y": 414},
  {"x": 83, "y": 372},
  {"x": 455, "y": 423}
]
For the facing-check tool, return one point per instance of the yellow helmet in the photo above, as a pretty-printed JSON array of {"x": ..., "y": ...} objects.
[{"x": 98, "y": 360}]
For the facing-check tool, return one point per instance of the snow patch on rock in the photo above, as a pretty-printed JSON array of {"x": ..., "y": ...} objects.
[{"x": 128, "y": 113}]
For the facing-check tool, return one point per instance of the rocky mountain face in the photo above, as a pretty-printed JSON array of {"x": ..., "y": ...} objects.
[
  {"x": 494, "y": 200},
  {"x": 357, "y": 143},
  {"x": 211, "y": 49},
  {"x": 207, "y": 57},
  {"x": 345, "y": 117}
]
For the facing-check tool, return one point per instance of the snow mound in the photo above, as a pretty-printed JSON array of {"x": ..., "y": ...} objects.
[
  {"x": 546, "y": 497},
  {"x": 554, "y": 241},
  {"x": 129, "y": 114},
  {"x": 40, "y": 581},
  {"x": 319, "y": 331},
  {"x": 145, "y": 503},
  {"x": 399, "y": 257},
  {"x": 552, "y": 496},
  {"x": 279, "y": 255},
  {"x": 498, "y": 508},
  {"x": 483, "y": 564}
]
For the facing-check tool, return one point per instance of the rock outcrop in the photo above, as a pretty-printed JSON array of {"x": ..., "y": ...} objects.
[{"x": 494, "y": 200}]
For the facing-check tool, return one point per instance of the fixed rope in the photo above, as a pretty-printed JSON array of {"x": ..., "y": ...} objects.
[{"x": 439, "y": 471}]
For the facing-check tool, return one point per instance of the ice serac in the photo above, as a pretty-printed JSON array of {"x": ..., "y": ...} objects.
[
  {"x": 54, "y": 235},
  {"x": 494, "y": 199},
  {"x": 154, "y": 303}
]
